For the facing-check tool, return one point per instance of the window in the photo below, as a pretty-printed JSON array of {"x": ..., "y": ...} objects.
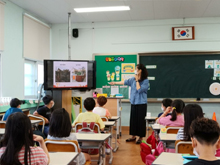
[{"x": 33, "y": 79}]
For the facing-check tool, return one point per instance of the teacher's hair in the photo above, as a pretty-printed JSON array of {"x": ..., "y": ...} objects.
[
  {"x": 144, "y": 72},
  {"x": 178, "y": 106}
]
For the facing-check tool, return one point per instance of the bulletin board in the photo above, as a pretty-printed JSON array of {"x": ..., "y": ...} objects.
[{"x": 114, "y": 67}]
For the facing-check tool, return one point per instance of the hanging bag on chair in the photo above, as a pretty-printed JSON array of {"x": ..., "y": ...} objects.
[{"x": 88, "y": 129}]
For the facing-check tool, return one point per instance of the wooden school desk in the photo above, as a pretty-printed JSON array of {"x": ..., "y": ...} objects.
[
  {"x": 168, "y": 139},
  {"x": 114, "y": 106},
  {"x": 32, "y": 121},
  {"x": 149, "y": 120},
  {"x": 95, "y": 140},
  {"x": 62, "y": 158},
  {"x": 156, "y": 128},
  {"x": 2, "y": 131},
  {"x": 166, "y": 158},
  {"x": 117, "y": 123},
  {"x": 115, "y": 118},
  {"x": 109, "y": 125}
]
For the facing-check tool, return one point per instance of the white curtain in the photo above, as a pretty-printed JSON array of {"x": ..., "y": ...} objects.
[{"x": 36, "y": 39}]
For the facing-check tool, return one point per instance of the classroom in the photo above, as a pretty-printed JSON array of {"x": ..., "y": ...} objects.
[{"x": 45, "y": 41}]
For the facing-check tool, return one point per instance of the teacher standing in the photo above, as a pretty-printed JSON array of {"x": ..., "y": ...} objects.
[{"x": 138, "y": 99}]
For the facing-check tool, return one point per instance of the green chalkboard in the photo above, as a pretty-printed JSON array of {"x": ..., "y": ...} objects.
[
  {"x": 181, "y": 76},
  {"x": 114, "y": 68}
]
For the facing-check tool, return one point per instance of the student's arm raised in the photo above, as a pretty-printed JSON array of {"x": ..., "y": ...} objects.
[{"x": 168, "y": 110}]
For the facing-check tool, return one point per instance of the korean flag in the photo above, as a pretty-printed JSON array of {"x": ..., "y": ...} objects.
[{"x": 184, "y": 33}]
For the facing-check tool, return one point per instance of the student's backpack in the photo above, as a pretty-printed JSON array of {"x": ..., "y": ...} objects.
[
  {"x": 152, "y": 141},
  {"x": 149, "y": 159},
  {"x": 145, "y": 150},
  {"x": 88, "y": 129}
]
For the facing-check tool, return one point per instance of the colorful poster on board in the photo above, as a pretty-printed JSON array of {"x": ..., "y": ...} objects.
[
  {"x": 217, "y": 64},
  {"x": 209, "y": 64},
  {"x": 126, "y": 76},
  {"x": 216, "y": 72},
  {"x": 127, "y": 67}
]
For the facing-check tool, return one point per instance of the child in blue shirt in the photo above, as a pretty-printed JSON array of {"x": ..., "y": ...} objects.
[{"x": 15, "y": 107}]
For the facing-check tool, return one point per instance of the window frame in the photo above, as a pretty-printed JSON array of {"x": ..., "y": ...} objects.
[{"x": 35, "y": 72}]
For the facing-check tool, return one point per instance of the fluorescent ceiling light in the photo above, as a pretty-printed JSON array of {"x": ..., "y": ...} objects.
[{"x": 102, "y": 9}]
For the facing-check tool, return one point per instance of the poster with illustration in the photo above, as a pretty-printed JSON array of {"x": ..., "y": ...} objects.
[
  {"x": 126, "y": 76},
  {"x": 127, "y": 67},
  {"x": 209, "y": 64},
  {"x": 217, "y": 64}
]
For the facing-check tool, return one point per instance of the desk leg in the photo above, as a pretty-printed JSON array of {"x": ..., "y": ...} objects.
[
  {"x": 120, "y": 106},
  {"x": 120, "y": 123},
  {"x": 111, "y": 155},
  {"x": 103, "y": 153},
  {"x": 116, "y": 144}
]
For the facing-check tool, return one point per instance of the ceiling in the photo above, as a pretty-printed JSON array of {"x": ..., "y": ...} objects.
[{"x": 55, "y": 11}]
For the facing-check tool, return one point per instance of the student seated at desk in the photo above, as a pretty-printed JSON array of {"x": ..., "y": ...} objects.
[
  {"x": 45, "y": 112},
  {"x": 191, "y": 112},
  {"x": 165, "y": 104},
  {"x": 89, "y": 116},
  {"x": 17, "y": 145},
  {"x": 15, "y": 107},
  {"x": 60, "y": 129},
  {"x": 100, "y": 110},
  {"x": 204, "y": 134},
  {"x": 176, "y": 118}
]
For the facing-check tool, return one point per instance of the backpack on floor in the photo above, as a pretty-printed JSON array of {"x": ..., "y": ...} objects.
[
  {"x": 152, "y": 141},
  {"x": 145, "y": 150},
  {"x": 149, "y": 159}
]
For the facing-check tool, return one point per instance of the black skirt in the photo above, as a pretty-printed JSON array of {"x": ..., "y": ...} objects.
[{"x": 137, "y": 120}]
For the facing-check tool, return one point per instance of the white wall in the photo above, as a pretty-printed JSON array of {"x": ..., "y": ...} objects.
[
  {"x": 12, "y": 56},
  {"x": 12, "y": 61},
  {"x": 135, "y": 37}
]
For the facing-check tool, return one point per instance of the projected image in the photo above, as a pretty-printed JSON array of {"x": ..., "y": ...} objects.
[
  {"x": 62, "y": 75},
  {"x": 70, "y": 74},
  {"x": 79, "y": 75}
]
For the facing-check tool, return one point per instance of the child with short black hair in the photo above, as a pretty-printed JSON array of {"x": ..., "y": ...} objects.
[
  {"x": 15, "y": 104},
  {"x": 45, "y": 112},
  {"x": 89, "y": 116},
  {"x": 205, "y": 138},
  {"x": 100, "y": 110},
  {"x": 164, "y": 105}
]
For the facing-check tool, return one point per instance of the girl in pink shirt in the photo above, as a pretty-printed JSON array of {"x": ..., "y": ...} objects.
[
  {"x": 176, "y": 119},
  {"x": 17, "y": 145}
]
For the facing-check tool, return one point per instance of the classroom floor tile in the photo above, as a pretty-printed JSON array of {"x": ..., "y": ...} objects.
[{"x": 127, "y": 154}]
